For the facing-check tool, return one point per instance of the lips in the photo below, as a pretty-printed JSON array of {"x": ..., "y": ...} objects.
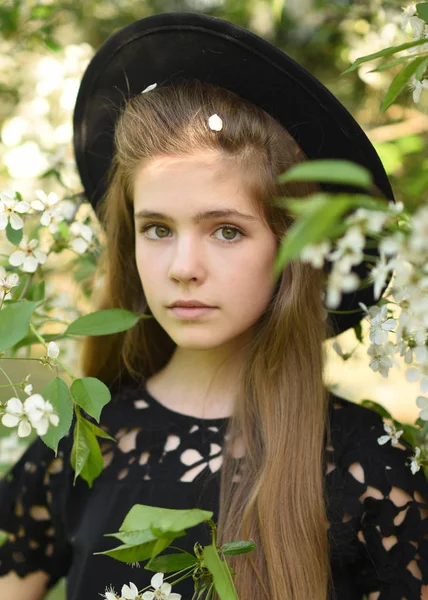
[{"x": 189, "y": 304}]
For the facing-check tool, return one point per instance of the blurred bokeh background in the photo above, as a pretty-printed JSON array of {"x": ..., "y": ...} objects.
[{"x": 44, "y": 48}]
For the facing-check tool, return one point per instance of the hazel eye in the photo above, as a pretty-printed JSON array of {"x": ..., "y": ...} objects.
[
  {"x": 153, "y": 226},
  {"x": 230, "y": 228}
]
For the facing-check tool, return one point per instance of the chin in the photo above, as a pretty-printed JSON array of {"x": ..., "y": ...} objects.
[{"x": 198, "y": 340}]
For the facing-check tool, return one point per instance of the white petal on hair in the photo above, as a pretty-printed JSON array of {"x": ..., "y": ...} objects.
[
  {"x": 215, "y": 123},
  {"x": 149, "y": 88}
]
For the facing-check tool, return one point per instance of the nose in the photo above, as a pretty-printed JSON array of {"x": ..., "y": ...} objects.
[{"x": 186, "y": 261}]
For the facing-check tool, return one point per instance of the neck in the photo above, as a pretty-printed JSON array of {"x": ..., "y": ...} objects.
[{"x": 201, "y": 382}]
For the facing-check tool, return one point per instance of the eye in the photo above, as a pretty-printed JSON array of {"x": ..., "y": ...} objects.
[
  {"x": 227, "y": 239},
  {"x": 150, "y": 226},
  {"x": 230, "y": 228}
]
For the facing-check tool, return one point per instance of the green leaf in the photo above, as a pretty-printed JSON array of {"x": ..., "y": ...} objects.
[
  {"x": 15, "y": 322},
  {"x": 58, "y": 394},
  {"x": 91, "y": 394},
  {"x": 393, "y": 63},
  {"x": 376, "y": 408},
  {"x": 220, "y": 571},
  {"x": 422, "y": 10},
  {"x": 311, "y": 229},
  {"x": 36, "y": 291},
  {"x": 86, "y": 457},
  {"x": 385, "y": 52},
  {"x": 401, "y": 79},
  {"x": 171, "y": 562},
  {"x": 100, "y": 432},
  {"x": 103, "y": 322},
  {"x": 14, "y": 235},
  {"x": 409, "y": 433},
  {"x": 358, "y": 330},
  {"x": 4, "y": 536},
  {"x": 131, "y": 554},
  {"x": 237, "y": 547},
  {"x": 142, "y": 516},
  {"x": 328, "y": 170}
]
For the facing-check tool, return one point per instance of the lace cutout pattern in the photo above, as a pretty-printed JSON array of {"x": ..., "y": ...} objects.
[{"x": 372, "y": 491}]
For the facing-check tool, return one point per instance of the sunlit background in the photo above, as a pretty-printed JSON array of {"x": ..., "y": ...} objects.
[{"x": 44, "y": 48}]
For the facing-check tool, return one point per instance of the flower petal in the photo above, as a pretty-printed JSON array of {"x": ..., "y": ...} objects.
[
  {"x": 16, "y": 222},
  {"x": 24, "y": 429},
  {"x": 10, "y": 420},
  {"x": 17, "y": 258},
  {"x": 157, "y": 580},
  {"x": 30, "y": 264}
]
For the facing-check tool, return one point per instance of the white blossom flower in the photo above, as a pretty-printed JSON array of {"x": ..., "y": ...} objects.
[
  {"x": 41, "y": 413},
  {"x": 370, "y": 220},
  {"x": 349, "y": 250},
  {"x": 392, "y": 244},
  {"x": 83, "y": 237},
  {"x": 417, "y": 86},
  {"x": 380, "y": 324},
  {"x": 408, "y": 12},
  {"x": 35, "y": 412},
  {"x": 418, "y": 374},
  {"x": 53, "y": 350},
  {"x": 110, "y": 594},
  {"x": 392, "y": 436},
  {"x": 130, "y": 592},
  {"x": 315, "y": 254},
  {"x": 381, "y": 358},
  {"x": 414, "y": 462},
  {"x": 28, "y": 256},
  {"x": 338, "y": 282},
  {"x": 215, "y": 123},
  {"x": 149, "y": 88},
  {"x": 422, "y": 403},
  {"x": 379, "y": 273},
  {"x": 420, "y": 31},
  {"x": 7, "y": 282},
  {"x": 28, "y": 389},
  {"x": 9, "y": 206},
  {"x": 162, "y": 590},
  {"x": 46, "y": 202}
]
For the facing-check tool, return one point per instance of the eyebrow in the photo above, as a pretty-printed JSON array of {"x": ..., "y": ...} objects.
[{"x": 200, "y": 216}]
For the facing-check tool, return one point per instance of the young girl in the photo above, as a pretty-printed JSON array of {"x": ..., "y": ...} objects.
[{"x": 218, "y": 399}]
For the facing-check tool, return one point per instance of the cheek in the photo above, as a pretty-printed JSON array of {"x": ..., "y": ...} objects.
[{"x": 253, "y": 283}]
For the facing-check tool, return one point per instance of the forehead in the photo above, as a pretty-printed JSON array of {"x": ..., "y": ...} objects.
[{"x": 191, "y": 182}]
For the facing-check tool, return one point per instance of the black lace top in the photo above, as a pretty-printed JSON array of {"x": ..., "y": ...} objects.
[{"x": 379, "y": 542}]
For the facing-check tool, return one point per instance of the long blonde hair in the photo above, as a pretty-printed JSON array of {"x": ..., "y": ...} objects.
[{"x": 276, "y": 496}]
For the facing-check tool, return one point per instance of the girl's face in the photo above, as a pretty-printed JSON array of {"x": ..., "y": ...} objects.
[{"x": 188, "y": 252}]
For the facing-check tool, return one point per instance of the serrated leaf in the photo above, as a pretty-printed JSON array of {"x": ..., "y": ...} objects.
[
  {"x": 385, "y": 52},
  {"x": 15, "y": 321},
  {"x": 100, "y": 432},
  {"x": 58, "y": 394},
  {"x": 142, "y": 516},
  {"x": 400, "y": 81},
  {"x": 131, "y": 554},
  {"x": 103, "y": 322},
  {"x": 238, "y": 547},
  {"x": 86, "y": 457},
  {"x": 14, "y": 235},
  {"x": 328, "y": 170},
  {"x": 220, "y": 571},
  {"x": 91, "y": 394},
  {"x": 171, "y": 562}
]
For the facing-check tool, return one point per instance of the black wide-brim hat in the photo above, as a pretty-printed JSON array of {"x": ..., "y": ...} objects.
[{"x": 173, "y": 47}]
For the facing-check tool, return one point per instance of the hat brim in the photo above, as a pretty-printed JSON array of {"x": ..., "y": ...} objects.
[{"x": 173, "y": 47}]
